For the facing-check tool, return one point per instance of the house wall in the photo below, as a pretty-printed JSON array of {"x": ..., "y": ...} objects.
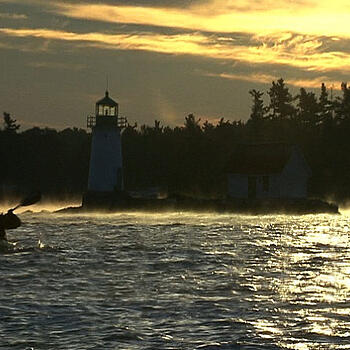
[
  {"x": 237, "y": 186},
  {"x": 274, "y": 187},
  {"x": 290, "y": 183},
  {"x": 294, "y": 177}
]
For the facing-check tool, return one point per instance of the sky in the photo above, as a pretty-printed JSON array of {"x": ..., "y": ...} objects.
[{"x": 164, "y": 59}]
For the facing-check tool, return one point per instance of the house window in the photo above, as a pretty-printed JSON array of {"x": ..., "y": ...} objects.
[{"x": 266, "y": 183}]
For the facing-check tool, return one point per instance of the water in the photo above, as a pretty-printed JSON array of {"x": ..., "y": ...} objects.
[{"x": 176, "y": 281}]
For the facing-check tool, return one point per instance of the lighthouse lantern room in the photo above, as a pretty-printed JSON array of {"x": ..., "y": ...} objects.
[{"x": 106, "y": 166}]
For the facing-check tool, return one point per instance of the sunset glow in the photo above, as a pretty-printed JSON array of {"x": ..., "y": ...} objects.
[
  {"x": 307, "y": 17},
  {"x": 252, "y": 42},
  {"x": 175, "y": 174},
  {"x": 299, "y": 52}
]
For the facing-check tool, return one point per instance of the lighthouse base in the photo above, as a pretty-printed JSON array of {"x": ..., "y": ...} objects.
[{"x": 105, "y": 201}]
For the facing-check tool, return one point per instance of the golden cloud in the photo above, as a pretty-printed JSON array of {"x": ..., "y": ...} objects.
[
  {"x": 300, "y": 51},
  {"x": 12, "y": 16},
  {"x": 57, "y": 65},
  {"x": 310, "y": 17},
  {"x": 268, "y": 78}
]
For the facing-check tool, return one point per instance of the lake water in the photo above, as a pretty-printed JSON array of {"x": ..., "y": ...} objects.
[{"x": 176, "y": 281}]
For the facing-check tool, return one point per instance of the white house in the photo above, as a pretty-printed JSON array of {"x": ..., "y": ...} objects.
[{"x": 266, "y": 171}]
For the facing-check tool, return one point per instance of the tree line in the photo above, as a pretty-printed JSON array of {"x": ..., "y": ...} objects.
[{"x": 190, "y": 159}]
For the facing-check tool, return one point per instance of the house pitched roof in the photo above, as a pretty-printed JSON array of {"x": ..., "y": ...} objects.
[{"x": 260, "y": 159}]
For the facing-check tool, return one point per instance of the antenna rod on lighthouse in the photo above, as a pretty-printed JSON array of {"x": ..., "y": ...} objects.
[{"x": 106, "y": 82}]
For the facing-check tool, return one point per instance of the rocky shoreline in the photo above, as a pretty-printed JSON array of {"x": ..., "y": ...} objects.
[{"x": 119, "y": 203}]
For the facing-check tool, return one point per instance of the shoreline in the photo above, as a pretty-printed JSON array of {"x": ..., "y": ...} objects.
[{"x": 113, "y": 204}]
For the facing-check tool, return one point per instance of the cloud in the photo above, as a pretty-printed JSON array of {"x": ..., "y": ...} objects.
[
  {"x": 13, "y": 16},
  {"x": 57, "y": 65},
  {"x": 313, "y": 83},
  {"x": 255, "y": 32},
  {"x": 309, "y": 17},
  {"x": 303, "y": 52}
]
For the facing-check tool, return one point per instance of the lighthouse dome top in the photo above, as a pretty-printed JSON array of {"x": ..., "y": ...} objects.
[{"x": 107, "y": 101}]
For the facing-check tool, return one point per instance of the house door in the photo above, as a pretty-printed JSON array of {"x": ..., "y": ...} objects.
[
  {"x": 119, "y": 180},
  {"x": 251, "y": 187}
]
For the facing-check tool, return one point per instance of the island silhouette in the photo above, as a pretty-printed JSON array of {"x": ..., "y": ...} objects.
[{"x": 192, "y": 160}]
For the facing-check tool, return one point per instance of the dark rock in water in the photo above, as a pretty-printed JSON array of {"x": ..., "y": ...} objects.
[
  {"x": 69, "y": 210},
  {"x": 114, "y": 202}
]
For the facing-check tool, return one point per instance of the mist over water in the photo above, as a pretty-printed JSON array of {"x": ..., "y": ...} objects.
[
  {"x": 176, "y": 281},
  {"x": 44, "y": 205}
]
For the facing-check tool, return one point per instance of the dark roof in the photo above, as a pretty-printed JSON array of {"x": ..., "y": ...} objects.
[
  {"x": 259, "y": 159},
  {"x": 107, "y": 101}
]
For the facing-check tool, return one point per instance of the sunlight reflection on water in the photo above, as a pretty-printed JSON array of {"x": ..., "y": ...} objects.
[{"x": 177, "y": 280}]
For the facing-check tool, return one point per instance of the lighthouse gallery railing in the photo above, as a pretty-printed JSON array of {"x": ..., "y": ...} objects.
[{"x": 120, "y": 122}]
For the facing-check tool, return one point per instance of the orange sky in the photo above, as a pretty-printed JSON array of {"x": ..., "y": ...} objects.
[{"x": 243, "y": 43}]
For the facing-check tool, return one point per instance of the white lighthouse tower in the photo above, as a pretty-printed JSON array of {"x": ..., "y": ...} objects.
[{"x": 106, "y": 164}]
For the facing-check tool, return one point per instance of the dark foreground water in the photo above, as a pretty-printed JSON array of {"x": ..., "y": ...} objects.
[{"x": 176, "y": 281}]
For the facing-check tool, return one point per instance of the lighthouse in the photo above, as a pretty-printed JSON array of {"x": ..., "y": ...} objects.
[{"x": 106, "y": 163}]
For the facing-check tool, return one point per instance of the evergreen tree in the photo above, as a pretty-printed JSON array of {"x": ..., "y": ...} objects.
[
  {"x": 308, "y": 108},
  {"x": 256, "y": 132},
  {"x": 10, "y": 124},
  {"x": 257, "y": 110},
  {"x": 342, "y": 105},
  {"x": 325, "y": 106},
  {"x": 281, "y": 101},
  {"x": 192, "y": 125},
  {"x": 208, "y": 127}
]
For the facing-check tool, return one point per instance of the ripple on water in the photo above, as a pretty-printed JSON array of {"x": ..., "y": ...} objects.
[{"x": 176, "y": 281}]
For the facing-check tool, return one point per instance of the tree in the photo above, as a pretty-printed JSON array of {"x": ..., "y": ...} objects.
[
  {"x": 192, "y": 124},
  {"x": 325, "y": 106},
  {"x": 255, "y": 122},
  {"x": 208, "y": 127},
  {"x": 257, "y": 110},
  {"x": 281, "y": 101},
  {"x": 342, "y": 105},
  {"x": 10, "y": 124},
  {"x": 307, "y": 108}
]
